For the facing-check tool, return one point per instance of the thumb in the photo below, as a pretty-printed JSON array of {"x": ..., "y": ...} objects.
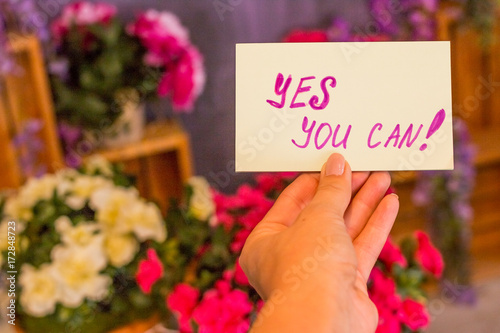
[{"x": 334, "y": 189}]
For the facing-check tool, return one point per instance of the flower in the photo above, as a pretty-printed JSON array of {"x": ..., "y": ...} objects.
[
  {"x": 167, "y": 44},
  {"x": 98, "y": 165},
  {"x": 83, "y": 234},
  {"x": 40, "y": 289},
  {"x": 240, "y": 276},
  {"x": 391, "y": 254},
  {"x": 383, "y": 290},
  {"x": 182, "y": 301},
  {"x": 120, "y": 249},
  {"x": 144, "y": 220},
  {"x": 36, "y": 189},
  {"x": 201, "y": 203},
  {"x": 81, "y": 13},
  {"x": 77, "y": 269},
  {"x": 109, "y": 204},
  {"x": 299, "y": 36},
  {"x": 149, "y": 271},
  {"x": 80, "y": 189},
  {"x": 223, "y": 309},
  {"x": 85, "y": 237},
  {"x": 389, "y": 322},
  {"x": 97, "y": 56},
  {"x": 414, "y": 315},
  {"x": 184, "y": 80},
  {"x": 428, "y": 256}
]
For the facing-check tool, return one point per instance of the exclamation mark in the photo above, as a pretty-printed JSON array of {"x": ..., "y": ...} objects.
[{"x": 435, "y": 125}]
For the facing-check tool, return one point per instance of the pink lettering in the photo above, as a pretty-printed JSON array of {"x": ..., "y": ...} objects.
[
  {"x": 313, "y": 102},
  {"x": 280, "y": 91},
  {"x": 301, "y": 89}
]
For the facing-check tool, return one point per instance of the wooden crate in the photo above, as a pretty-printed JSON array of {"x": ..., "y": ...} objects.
[
  {"x": 160, "y": 162},
  {"x": 475, "y": 70},
  {"x": 25, "y": 95},
  {"x": 479, "y": 105}
]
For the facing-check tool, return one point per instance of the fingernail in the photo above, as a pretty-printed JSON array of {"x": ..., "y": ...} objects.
[{"x": 335, "y": 165}]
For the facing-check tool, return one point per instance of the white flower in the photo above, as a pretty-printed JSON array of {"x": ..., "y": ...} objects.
[
  {"x": 97, "y": 163},
  {"x": 82, "y": 187},
  {"x": 37, "y": 189},
  {"x": 108, "y": 203},
  {"x": 120, "y": 249},
  {"x": 77, "y": 270},
  {"x": 83, "y": 234},
  {"x": 16, "y": 209},
  {"x": 16, "y": 228},
  {"x": 201, "y": 204},
  {"x": 40, "y": 290},
  {"x": 145, "y": 220}
]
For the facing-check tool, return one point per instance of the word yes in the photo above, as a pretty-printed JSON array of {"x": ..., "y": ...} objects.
[{"x": 281, "y": 89}]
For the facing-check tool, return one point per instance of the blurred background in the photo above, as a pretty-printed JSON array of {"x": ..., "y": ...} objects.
[{"x": 73, "y": 74}]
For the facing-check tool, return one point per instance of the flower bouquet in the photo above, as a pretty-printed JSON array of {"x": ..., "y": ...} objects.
[
  {"x": 214, "y": 295},
  {"x": 101, "y": 64},
  {"x": 396, "y": 283},
  {"x": 82, "y": 243}
]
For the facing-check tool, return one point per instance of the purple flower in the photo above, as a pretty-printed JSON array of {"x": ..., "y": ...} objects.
[
  {"x": 446, "y": 197},
  {"x": 69, "y": 134},
  {"x": 339, "y": 31},
  {"x": 29, "y": 146},
  {"x": 387, "y": 15},
  {"x": 59, "y": 68}
]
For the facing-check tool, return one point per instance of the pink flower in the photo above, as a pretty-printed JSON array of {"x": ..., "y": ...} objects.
[
  {"x": 391, "y": 254},
  {"x": 240, "y": 276},
  {"x": 239, "y": 240},
  {"x": 382, "y": 291},
  {"x": 82, "y": 13},
  {"x": 388, "y": 322},
  {"x": 306, "y": 36},
  {"x": 149, "y": 271},
  {"x": 428, "y": 256},
  {"x": 414, "y": 315},
  {"x": 155, "y": 24},
  {"x": 184, "y": 80},
  {"x": 223, "y": 310},
  {"x": 269, "y": 182},
  {"x": 182, "y": 301}
]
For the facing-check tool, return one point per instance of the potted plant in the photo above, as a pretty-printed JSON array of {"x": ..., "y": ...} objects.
[
  {"x": 83, "y": 247},
  {"x": 104, "y": 69}
]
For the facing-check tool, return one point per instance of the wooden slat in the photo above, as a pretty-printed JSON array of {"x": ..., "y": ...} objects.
[
  {"x": 25, "y": 96},
  {"x": 161, "y": 161}
]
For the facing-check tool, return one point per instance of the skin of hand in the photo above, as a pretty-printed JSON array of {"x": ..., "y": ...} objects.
[{"x": 312, "y": 254}]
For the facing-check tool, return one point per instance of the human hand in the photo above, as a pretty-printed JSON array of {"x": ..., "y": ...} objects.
[{"x": 311, "y": 256}]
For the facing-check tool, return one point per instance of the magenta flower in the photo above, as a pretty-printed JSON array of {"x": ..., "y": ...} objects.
[
  {"x": 183, "y": 80},
  {"x": 428, "y": 256},
  {"x": 82, "y": 13},
  {"x": 240, "y": 276},
  {"x": 239, "y": 240},
  {"x": 388, "y": 322},
  {"x": 182, "y": 301},
  {"x": 300, "y": 36},
  {"x": 223, "y": 310},
  {"x": 168, "y": 46},
  {"x": 383, "y": 291},
  {"x": 391, "y": 254},
  {"x": 414, "y": 315},
  {"x": 149, "y": 271}
]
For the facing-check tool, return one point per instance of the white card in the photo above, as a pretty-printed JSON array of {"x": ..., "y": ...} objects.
[{"x": 383, "y": 105}]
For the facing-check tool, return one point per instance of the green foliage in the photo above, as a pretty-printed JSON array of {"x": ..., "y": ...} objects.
[{"x": 103, "y": 60}]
